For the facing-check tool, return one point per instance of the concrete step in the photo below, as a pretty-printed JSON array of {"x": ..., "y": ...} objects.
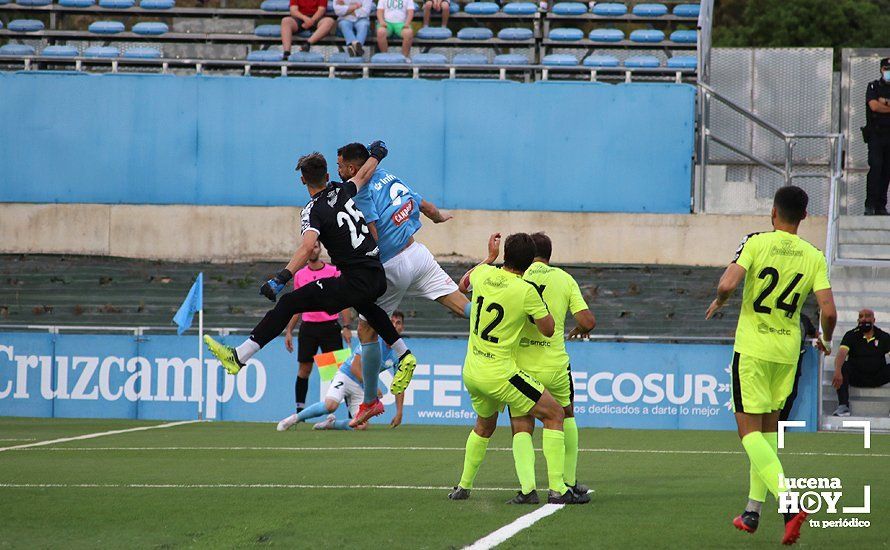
[
  {"x": 875, "y": 409},
  {"x": 859, "y": 286},
  {"x": 863, "y": 236},
  {"x": 864, "y": 251},
  {"x": 879, "y": 423},
  {"x": 873, "y": 223},
  {"x": 881, "y": 394}
]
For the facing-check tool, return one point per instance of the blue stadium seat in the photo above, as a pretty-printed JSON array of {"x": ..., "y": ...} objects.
[
  {"x": 600, "y": 61},
  {"x": 642, "y": 61},
  {"x": 118, "y": 4},
  {"x": 157, "y": 4},
  {"x": 59, "y": 51},
  {"x": 682, "y": 62},
  {"x": 265, "y": 55},
  {"x": 429, "y": 59},
  {"x": 101, "y": 51},
  {"x": 481, "y": 8},
  {"x": 469, "y": 59},
  {"x": 647, "y": 35},
  {"x": 306, "y": 57},
  {"x": 434, "y": 33},
  {"x": 453, "y": 6},
  {"x": 142, "y": 53},
  {"x": 268, "y": 30},
  {"x": 388, "y": 58},
  {"x": 609, "y": 9},
  {"x": 566, "y": 35},
  {"x": 510, "y": 59},
  {"x": 152, "y": 28},
  {"x": 569, "y": 8},
  {"x": 343, "y": 57},
  {"x": 520, "y": 8},
  {"x": 606, "y": 35},
  {"x": 25, "y": 25},
  {"x": 516, "y": 33},
  {"x": 560, "y": 60},
  {"x": 76, "y": 3},
  {"x": 34, "y": 3},
  {"x": 687, "y": 10},
  {"x": 684, "y": 37},
  {"x": 106, "y": 27},
  {"x": 650, "y": 10},
  {"x": 475, "y": 33},
  {"x": 16, "y": 49},
  {"x": 275, "y": 5}
]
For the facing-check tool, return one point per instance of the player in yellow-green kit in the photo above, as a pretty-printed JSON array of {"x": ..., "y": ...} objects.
[
  {"x": 780, "y": 270},
  {"x": 502, "y": 302},
  {"x": 546, "y": 359}
]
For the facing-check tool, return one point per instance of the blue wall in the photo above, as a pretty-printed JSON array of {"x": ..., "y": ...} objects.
[
  {"x": 617, "y": 385},
  {"x": 151, "y": 139}
]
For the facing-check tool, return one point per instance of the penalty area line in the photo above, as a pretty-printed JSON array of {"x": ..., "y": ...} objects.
[
  {"x": 98, "y": 434},
  {"x": 523, "y": 522},
  {"x": 229, "y": 486}
]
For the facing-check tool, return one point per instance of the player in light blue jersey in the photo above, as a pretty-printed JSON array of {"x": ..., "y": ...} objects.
[
  {"x": 392, "y": 211},
  {"x": 347, "y": 387}
]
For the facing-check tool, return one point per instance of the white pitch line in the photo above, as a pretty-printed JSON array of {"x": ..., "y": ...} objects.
[
  {"x": 507, "y": 531},
  {"x": 18, "y": 439},
  {"x": 229, "y": 486},
  {"x": 461, "y": 449},
  {"x": 94, "y": 435}
]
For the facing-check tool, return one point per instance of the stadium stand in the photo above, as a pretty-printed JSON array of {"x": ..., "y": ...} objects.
[{"x": 517, "y": 36}]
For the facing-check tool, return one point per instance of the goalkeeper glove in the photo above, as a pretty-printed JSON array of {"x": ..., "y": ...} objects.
[
  {"x": 273, "y": 287},
  {"x": 378, "y": 150}
]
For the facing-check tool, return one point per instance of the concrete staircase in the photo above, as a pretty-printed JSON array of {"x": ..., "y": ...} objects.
[{"x": 857, "y": 286}]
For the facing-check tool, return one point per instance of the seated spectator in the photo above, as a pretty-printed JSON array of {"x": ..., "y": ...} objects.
[
  {"x": 394, "y": 19},
  {"x": 353, "y": 18},
  {"x": 305, "y": 15},
  {"x": 439, "y": 6},
  {"x": 861, "y": 360}
]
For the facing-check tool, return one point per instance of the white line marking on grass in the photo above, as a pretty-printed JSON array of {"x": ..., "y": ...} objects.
[
  {"x": 228, "y": 486},
  {"x": 18, "y": 439},
  {"x": 99, "y": 434},
  {"x": 461, "y": 449},
  {"x": 507, "y": 531}
]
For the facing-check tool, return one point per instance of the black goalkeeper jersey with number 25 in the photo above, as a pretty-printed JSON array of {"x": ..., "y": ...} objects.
[{"x": 340, "y": 226}]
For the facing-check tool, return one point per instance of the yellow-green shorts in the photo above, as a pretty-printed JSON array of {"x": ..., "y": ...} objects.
[
  {"x": 557, "y": 381},
  {"x": 758, "y": 386},
  {"x": 520, "y": 392}
]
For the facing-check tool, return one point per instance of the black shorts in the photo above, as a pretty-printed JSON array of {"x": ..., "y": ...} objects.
[
  {"x": 325, "y": 335},
  {"x": 355, "y": 287}
]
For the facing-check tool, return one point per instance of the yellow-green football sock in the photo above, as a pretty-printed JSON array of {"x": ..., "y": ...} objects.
[
  {"x": 758, "y": 488},
  {"x": 764, "y": 461},
  {"x": 555, "y": 455},
  {"x": 570, "y": 429},
  {"x": 475, "y": 454},
  {"x": 524, "y": 459}
]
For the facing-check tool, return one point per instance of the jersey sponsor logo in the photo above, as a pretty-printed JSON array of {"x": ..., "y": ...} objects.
[
  {"x": 404, "y": 213},
  {"x": 528, "y": 342},
  {"x": 763, "y": 328},
  {"x": 495, "y": 283},
  {"x": 786, "y": 248},
  {"x": 383, "y": 181},
  {"x": 480, "y": 353}
]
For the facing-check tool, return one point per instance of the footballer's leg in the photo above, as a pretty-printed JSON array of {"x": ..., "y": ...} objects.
[
  {"x": 477, "y": 444},
  {"x": 332, "y": 400},
  {"x": 524, "y": 459}
]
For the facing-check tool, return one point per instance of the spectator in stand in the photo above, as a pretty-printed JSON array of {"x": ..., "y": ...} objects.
[
  {"x": 353, "y": 18},
  {"x": 438, "y": 6},
  {"x": 394, "y": 19},
  {"x": 305, "y": 15},
  {"x": 876, "y": 134},
  {"x": 861, "y": 360}
]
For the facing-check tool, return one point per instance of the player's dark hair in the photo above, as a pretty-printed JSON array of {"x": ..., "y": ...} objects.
[
  {"x": 398, "y": 314},
  {"x": 519, "y": 252},
  {"x": 354, "y": 153},
  {"x": 791, "y": 203},
  {"x": 543, "y": 246},
  {"x": 314, "y": 168}
]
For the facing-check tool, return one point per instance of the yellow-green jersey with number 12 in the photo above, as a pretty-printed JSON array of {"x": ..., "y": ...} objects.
[
  {"x": 781, "y": 271},
  {"x": 502, "y": 303},
  {"x": 562, "y": 296}
]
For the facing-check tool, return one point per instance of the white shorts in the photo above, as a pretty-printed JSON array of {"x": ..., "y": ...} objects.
[
  {"x": 344, "y": 389},
  {"x": 414, "y": 272}
]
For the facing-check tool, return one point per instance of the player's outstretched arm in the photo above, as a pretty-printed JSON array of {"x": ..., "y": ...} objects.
[
  {"x": 378, "y": 152},
  {"x": 273, "y": 287},
  {"x": 729, "y": 281},
  {"x": 494, "y": 249},
  {"x": 827, "y": 318},
  {"x": 432, "y": 212}
]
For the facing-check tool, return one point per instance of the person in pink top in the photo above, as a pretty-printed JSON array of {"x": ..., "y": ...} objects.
[{"x": 318, "y": 329}]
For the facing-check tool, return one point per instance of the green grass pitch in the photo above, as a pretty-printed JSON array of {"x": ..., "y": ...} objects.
[{"x": 233, "y": 485}]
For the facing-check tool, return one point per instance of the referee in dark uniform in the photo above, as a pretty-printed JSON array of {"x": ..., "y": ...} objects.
[{"x": 877, "y": 135}]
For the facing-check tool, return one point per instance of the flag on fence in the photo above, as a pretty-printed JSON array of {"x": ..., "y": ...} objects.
[
  {"x": 329, "y": 362},
  {"x": 193, "y": 302}
]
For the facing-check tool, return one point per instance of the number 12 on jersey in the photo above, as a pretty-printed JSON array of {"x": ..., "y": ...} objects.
[{"x": 493, "y": 307}]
